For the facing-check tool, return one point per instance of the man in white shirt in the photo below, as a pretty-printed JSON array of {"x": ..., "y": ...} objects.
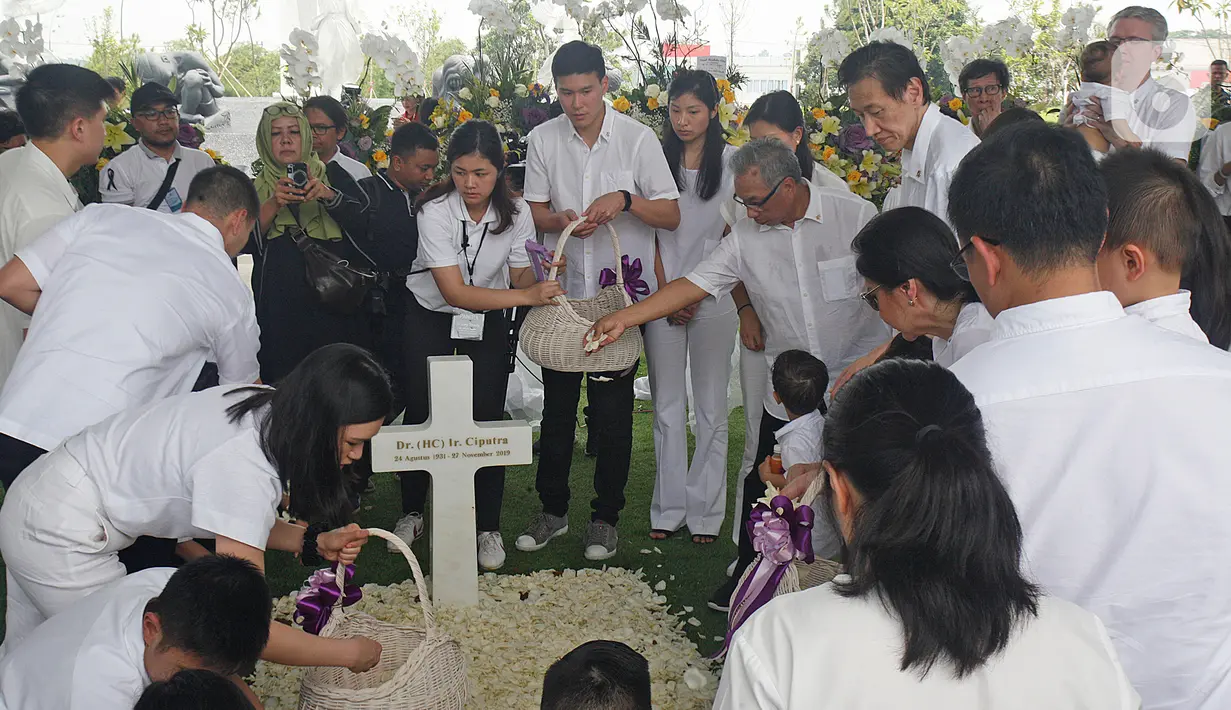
[
  {"x": 598, "y": 164},
  {"x": 63, "y": 108},
  {"x": 984, "y": 84},
  {"x": 1162, "y": 117},
  {"x": 889, "y": 92},
  {"x": 128, "y": 305},
  {"x": 102, "y": 652},
  {"x": 328, "y": 120},
  {"x": 139, "y": 176},
  {"x": 1215, "y": 167},
  {"x": 793, "y": 255},
  {"x": 1109, "y": 432}
]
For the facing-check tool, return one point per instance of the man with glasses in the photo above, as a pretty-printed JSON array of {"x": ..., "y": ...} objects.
[
  {"x": 328, "y": 120},
  {"x": 889, "y": 92},
  {"x": 1161, "y": 117},
  {"x": 984, "y": 83},
  {"x": 793, "y": 255},
  {"x": 156, "y": 172}
]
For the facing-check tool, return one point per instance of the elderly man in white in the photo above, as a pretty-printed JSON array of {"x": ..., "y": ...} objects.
[{"x": 1110, "y": 432}]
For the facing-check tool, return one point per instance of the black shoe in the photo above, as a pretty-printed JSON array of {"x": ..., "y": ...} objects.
[{"x": 721, "y": 599}]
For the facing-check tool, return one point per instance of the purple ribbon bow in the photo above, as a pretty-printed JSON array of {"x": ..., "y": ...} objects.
[
  {"x": 633, "y": 283},
  {"x": 315, "y": 602},
  {"x": 782, "y": 533}
]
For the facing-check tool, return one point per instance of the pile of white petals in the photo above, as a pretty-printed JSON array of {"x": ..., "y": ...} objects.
[{"x": 524, "y": 623}]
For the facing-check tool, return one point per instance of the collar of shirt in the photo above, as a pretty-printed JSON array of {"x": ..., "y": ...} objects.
[
  {"x": 1057, "y": 314},
  {"x": 384, "y": 176},
  {"x": 604, "y": 133},
  {"x": 42, "y": 161},
  {"x": 914, "y": 159},
  {"x": 134, "y": 641},
  {"x": 1162, "y": 307},
  {"x": 814, "y": 212},
  {"x": 204, "y": 226},
  {"x": 458, "y": 207},
  {"x": 807, "y": 420},
  {"x": 149, "y": 153}
]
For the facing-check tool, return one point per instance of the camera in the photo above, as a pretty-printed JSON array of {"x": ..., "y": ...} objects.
[{"x": 297, "y": 173}]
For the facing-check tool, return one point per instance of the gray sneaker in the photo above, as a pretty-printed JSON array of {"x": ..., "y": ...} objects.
[
  {"x": 601, "y": 541},
  {"x": 542, "y": 529}
]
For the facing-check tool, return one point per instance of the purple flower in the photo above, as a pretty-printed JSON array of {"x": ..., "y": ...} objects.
[
  {"x": 853, "y": 139},
  {"x": 365, "y": 143},
  {"x": 532, "y": 116},
  {"x": 189, "y": 136}
]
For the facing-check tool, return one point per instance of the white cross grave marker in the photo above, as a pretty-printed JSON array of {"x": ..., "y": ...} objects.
[{"x": 452, "y": 447}]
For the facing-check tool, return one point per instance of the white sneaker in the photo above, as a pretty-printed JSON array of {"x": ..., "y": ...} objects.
[
  {"x": 409, "y": 528},
  {"x": 491, "y": 551}
]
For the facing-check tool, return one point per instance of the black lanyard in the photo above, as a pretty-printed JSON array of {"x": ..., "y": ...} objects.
[{"x": 466, "y": 245}]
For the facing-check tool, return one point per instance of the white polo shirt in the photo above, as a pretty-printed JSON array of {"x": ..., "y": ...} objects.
[
  {"x": 91, "y": 656},
  {"x": 928, "y": 167},
  {"x": 134, "y": 176},
  {"x": 1110, "y": 435},
  {"x": 1163, "y": 118},
  {"x": 353, "y": 167},
  {"x": 180, "y": 469},
  {"x": 802, "y": 281},
  {"x": 1215, "y": 153},
  {"x": 562, "y": 170},
  {"x": 818, "y": 649},
  {"x": 443, "y": 223},
  {"x": 972, "y": 329},
  {"x": 1172, "y": 313},
  {"x": 134, "y": 302},
  {"x": 34, "y": 195}
]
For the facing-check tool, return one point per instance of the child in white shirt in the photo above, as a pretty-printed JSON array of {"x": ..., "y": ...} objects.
[{"x": 1096, "y": 82}]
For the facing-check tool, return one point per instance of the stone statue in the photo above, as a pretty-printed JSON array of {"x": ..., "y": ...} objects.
[
  {"x": 615, "y": 79},
  {"x": 196, "y": 84},
  {"x": 451, "y": 76}
]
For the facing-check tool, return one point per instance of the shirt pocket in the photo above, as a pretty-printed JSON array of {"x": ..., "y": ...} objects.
[
  {"x": 839, "y": 279},
  {"x": 616, "y": 180}
]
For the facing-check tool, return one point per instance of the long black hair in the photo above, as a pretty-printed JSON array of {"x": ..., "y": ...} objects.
[
  {"x": 780, "y": 109},
  {"x": 476, "y": 137},
  {"x": 936, "y": 537},
  {"x": 709, "y": 178},
  {"x": 335, "y": 386},
  {"x": 1159, "y": 204},
  {"x": 911, "y": 243}
]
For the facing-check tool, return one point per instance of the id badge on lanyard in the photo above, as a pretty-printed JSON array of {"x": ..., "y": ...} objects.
[{"x": 468, "y": 325}]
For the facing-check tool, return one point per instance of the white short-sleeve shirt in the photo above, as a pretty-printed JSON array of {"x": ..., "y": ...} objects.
[
  {"x": 134, "y": 302},
  {"x": 91, "y": 656},
  {"x": 972, "y": 329},
  {"x": 1110, "y": 436},
  {"x": 928, "y": 167},
  {"x": 1172, "y": 313},
  {"x": 802, "y": 282},
  {"x": 179, "y": 468},
  {"x": 134, "y": 176},
  {"x": 818, "y": 649},
  {"x": 34, "y": 195},
  {"x": 800, "y": 440},
  {"x": 563, "y": 171},
  {"x": 1215, "y": 153},
  {"x": 444, "y": 224},
  {"x": 353, "y": 167}
]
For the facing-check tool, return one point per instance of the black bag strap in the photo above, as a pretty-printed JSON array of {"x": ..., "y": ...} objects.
[{"x": 165, "y": 187}]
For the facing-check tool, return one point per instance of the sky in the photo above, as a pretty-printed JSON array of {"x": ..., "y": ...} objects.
[{"x": 159, "y": 21}]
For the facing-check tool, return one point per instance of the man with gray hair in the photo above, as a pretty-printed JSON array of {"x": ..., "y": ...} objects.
[
  {"x": 793, "y": 254},
  {"x": 1160, "y": 117}
]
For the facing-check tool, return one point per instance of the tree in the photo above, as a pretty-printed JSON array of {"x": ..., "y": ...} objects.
[
  {"x": 1041, "y": 77},
  {"x": 108, "y": 50},
  {"x": 1214, "y": 19},
  {"x": 513, "y": 57},
  {"x": 229, "y": 22},
  {"x": 734, "y": 12},
  {"x": 252, "y": 70},
  {"x": 422, "y": 25}
]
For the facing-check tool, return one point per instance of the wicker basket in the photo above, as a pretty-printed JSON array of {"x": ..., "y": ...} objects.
[
  {"x": 553, "y": 336},
  {"x": 419, "y": 668}
]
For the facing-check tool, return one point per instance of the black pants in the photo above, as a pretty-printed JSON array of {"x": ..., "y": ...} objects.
[
  {"x": 15, "y": 456},
  {"x": 427, "y": 334},
  {"x": 754, "y": 488},
  {"x": 611, "y": 422}
]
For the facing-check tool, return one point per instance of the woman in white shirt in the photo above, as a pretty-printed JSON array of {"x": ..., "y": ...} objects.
[
  {"x": 908, "y": 258},
  {"x": 696, "y": 342},
  {"x": 935, "y": 612},
  {"x": 472, "y": 266},
  {"x": 218, "y": 464}
]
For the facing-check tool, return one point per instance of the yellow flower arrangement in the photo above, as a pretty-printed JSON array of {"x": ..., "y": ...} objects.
[
  {"x": 493, "y": 92},
  {"x": 652, "y": 104},
  {"x": 364, "y": 121},
  {"x": 389, "y": 133},
  {"x": 102, "y": 163},
  {"x": 830, "y": 125},
  {"x": 728, "y": 96},
  {"x": 955, "y": 104},
  {"x": 740, "y": 137},
  {"x": 828, "y": 153},
  {"x": 853, "y": 177},
  {"x": 117, "y": 137},
  {"x": 464, "y": 115},
  {"x": 380, "y": 156},
  {"x": 819, "y": 113},
  {"x": 621, "y": 104},
  {"x": 724, "y": 86},
  {"x": 871, "y": 161}
]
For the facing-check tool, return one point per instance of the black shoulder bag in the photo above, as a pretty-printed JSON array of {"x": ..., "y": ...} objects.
[
  {"x": 339, "y": 286},
  {"x": 165, "y": 187}
]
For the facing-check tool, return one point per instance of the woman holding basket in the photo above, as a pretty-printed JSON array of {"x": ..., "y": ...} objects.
[{"x": 472, "y": 266}]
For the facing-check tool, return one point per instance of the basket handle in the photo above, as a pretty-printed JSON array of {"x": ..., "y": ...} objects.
[
  {"x": 429, "y": 616},
  {"x": 615, "y": 245}
]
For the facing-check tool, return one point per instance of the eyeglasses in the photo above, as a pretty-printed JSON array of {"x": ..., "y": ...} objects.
[
  {"x": 975, "y": 92},
  {"x": 170, "y": 114},
  {"x": 757, "y": 204},
  {"x": 869, "y": 297},
  {"x": 321, "y": 129},
  {"x": 1117, "y": 41},
  {"x": 959, "y": 265},
  {"x": 277, "y": 110}
]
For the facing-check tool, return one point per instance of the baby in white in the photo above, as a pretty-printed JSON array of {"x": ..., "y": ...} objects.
[{"x": 1096, "y": 83}]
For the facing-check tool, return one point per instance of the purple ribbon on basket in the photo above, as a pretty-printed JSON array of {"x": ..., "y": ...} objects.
[
  {"x": 782, "y": 534},
  {"x": 633, "y": 282},
  {"x": 316, "y": 600}
]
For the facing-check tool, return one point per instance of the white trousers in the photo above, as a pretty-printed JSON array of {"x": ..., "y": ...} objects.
[
  {"x": 58, "y": 545},
  {"x": 753, "y": 381},
  {"x": 691, "y": 494}
]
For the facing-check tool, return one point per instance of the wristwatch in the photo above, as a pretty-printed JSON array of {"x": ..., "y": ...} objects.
[{"x": 628, "y": 200}]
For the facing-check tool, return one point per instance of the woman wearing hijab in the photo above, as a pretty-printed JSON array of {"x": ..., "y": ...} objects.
[{"x": 293, "y": 321}]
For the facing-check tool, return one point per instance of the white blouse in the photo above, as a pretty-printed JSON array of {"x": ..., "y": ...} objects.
[
  {"x": 818, "y": 650},
  {"x": 444, "y": 225},
  {"x": 973, "y": 328},
  {"x": 701, "y": 223}
]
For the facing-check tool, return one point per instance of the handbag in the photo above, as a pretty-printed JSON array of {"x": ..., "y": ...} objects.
[{"x": 339, "y": 286}]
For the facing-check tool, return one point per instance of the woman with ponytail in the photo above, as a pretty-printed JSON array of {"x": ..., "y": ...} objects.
[
  {"x": 934, "y": 612},
  {"x": 778, "y": 115},
  {"x": 1167, "y": 254}
]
